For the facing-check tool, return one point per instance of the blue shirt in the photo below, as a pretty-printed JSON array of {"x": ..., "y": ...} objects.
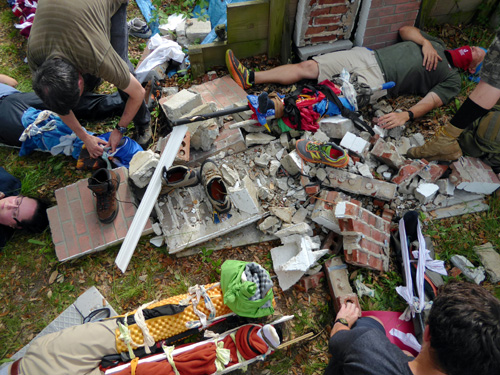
[{"x": 6, "y": 90}]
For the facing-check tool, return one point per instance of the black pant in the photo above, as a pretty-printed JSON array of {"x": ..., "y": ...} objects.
[{"x": 90, "y": 107}]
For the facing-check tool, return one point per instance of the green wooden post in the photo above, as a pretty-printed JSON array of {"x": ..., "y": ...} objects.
[{"x": 276, "y": 22}]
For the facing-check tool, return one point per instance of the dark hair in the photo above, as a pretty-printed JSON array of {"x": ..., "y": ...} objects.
[
  {"x": 464, "y": 326},
  {"x": 39, "y": 221},
  {"x": 56, "y": 83}
]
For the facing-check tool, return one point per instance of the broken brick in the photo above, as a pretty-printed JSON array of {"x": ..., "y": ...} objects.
[
  {"x": 312, "y": 281},
  {"x": 408, "y": 171},
  {"x": 473, "y": 175}
]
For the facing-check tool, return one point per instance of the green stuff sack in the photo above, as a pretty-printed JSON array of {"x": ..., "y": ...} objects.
[
  {"x": 482, "y": 140},
  {"x": 247, "y": 289}
]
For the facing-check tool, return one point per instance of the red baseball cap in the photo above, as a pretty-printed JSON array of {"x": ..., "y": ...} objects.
[{"x": 462, "y": 57}]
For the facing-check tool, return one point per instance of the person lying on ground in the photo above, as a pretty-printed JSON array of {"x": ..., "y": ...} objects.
[
  {"x": 445, "y": 145},
  {"x": 462, "y": 336},
  {"x": 18, "y": 211},
  {"x": 420, "y": 65},
  {"x": 72, "y": 43},
  {"x": 14, "y": 103}
]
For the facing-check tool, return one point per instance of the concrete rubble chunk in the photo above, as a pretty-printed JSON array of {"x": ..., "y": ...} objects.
[
  {"x": 270, "y": 225},
  {"x": 292, "y": 163},
  {"x": 157, "y": 241},
  {"x": 292, "y": 260},
  {"x": 301, "y": 228},
  {"x": 338, "y": 283},
  {"x": 336, "y": 126},
  {"x": 262, "y": 160},
  {"x": 432, "y": 172},
  {"x": 274, "y": 167},
  {"x": 283, "y": 213},
  {"x": 475, "y": 274},
  {"x": 244, "y": 196},
  {"x": 202, "y": 109},
  {"x": 142, "y": 167},
  {"x": 229, "y": 175},
  {"x": 425, "y": 192},
  {"x": 354, "y": 143},
  {"x": 258, "y": 139},
  {"x": 300, "y": 215},
  {"x": 205, "y": 136},
  {"x": 324, "y": 209},
  {"x": 445, "y": 186},
  {"x": 320, "y": 137},
  {"x": 403, "y": 145},
  {"x": 365, "y": 236},
  {"x": 364, "y": 170},
  {"x": 459, "y": 209},
  {"x": 473, "y": 175},
  {"x": 408, "y": 171},
  {"x": 460, "y": 196},
  {"x": 388, "y": 154},
  {"x": 356, "y": 184},
  {"x": 417, "y": 140},
  {"x": 490, "y": 259},
  {"x": 197, "y": 29},
  {"x": 177, "y": 105},
  {"x": 285, "y": 141}
]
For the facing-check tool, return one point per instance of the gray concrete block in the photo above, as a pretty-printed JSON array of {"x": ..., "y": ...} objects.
[
  {"x": 292, "y": 163},
  {"x": 258, "y": 139},
  {"x": 336, "y": 126},
  {"x": 197, "y": 29},
  {"x": 491, "y": 261},
  {"x": 305, "y": 52},
  {"x": 177, "y": 105}
]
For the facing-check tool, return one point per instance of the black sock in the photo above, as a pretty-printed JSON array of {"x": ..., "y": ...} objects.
[
  {"x": 467, "y": 113},
  {"x": 251, "y": 77}
]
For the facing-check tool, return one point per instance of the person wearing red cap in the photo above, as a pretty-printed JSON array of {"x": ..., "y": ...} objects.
[
  {"x": 445, "y": 146},
  {"x": 419, "y": 66}
]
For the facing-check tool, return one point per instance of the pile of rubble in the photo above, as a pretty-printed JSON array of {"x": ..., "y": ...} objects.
[{"x": 276, "y": 194}]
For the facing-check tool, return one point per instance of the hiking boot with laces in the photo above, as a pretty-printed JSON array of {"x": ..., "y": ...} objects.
[
  {"x": 443, "y": 147},
  {"x": 178, "y": 176},
  {"x": 239, "y": 73},
  {"x": 104, "y": 184},
  {"x": 326, "y": 153},
  {"x": 215, "y": 188}
]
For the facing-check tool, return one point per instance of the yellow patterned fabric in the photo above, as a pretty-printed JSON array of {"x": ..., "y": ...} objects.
[{"x": 164, "y": 327}]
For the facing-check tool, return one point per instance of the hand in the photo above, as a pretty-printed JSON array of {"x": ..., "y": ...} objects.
[
  {"x": 350, "y": 312},
  {"x": 2, "y": 195},
  {"x": 114, "y": 140},
  {"x": 391, "y": 120},
  {"x": 94, "y": 147},
  {"x": 431, "y": 57}
]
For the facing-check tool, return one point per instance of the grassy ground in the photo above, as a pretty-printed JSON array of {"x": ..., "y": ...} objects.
[{"x": 35, "y": 287}]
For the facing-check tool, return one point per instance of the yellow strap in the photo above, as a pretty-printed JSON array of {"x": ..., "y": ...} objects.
[
  {"x": 222, "y": 356},
  {"x": 133, "y": 365},
  {"x": 238, "y": 354}
]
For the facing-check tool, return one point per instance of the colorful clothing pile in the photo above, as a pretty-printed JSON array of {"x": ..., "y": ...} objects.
[{"x": 25, "y": 11}]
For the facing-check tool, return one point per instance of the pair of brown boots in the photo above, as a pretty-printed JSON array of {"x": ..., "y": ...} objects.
[{"x": 104, "y": 184}]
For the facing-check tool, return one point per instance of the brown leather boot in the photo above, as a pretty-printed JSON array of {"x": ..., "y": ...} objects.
[
  {"x": 443, "y": 147},
  {"x": 104, "y": 183}
]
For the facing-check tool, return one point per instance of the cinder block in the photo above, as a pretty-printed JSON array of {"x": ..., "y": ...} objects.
[
  {"x": 183, "y": 154},
  {"x": 197, "y": 29},
  {"x": 177, "y": 105},
  {"x": 338, "y": 283},
  {"x": 292, "y": 163},
  {"x": 336, "y": 126}
]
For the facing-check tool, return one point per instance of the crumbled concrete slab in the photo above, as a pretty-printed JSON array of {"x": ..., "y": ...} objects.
[
  {"x": 186, "y": 218},
  {"x": 292, "y": 260},
  {"x": 459, "y": 209},
  {"x": 292, "y": 163},
  {"x": 490, "y": 259},
  {"x": 475, "y": 274},
  {"x": 471, "y": 174},
  {"x": 157, "y": 241},
  {"x": 285, "y": 140},
  {"x": 355, "y": 144},
  {"x": 320, "y": 137},
  {"x": 336, "y": 126},
  {"x": 356, "y": 184},
  {"x": 417, "y": 140},
  {"x": 365, "y": 235},
  {"x": 388, "y": 154},
  {"x": 274, "y": 166},
  {"x": 301, "y": 228},
  {"x": 177, "y": 105},
  {"x": 445, "y": 186},
  {"x": 142, "y": 167},
  {"x": 460, "y": 196},
  {"x": 263, "y": 160},
  {"x": 403, "y": 145},
  {"x": 248, "y": 235},
  {"x": 229, "y": 175},
  {"x": 258, "y": 139},
  {"x": 300, "y": 215},
  {"x": 425, "y": 192},
  {"x": 205, "y": 136},
  {"x": 271, "y": 224},
  {"x": 364, "y": 170},
  {"x": 202, "y": 109},
  {"x": 197, "y": 29},
  {"x": 408, "y": 186}
]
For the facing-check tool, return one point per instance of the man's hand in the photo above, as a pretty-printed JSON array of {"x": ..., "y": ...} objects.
[
  {"x": 94, "y": 147},
  {"x": 431, "y": 57},
  {"x": 114, "y": 140},
  {"x": 391, "y": 120},
  {"x": 350, "y": 312}
]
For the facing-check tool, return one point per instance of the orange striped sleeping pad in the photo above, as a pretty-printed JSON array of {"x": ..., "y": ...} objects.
[{"x": 163, "y": 327}]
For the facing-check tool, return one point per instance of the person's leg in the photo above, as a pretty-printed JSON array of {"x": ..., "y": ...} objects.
[
  {"x": 99, "y": 106},
  {"x": 119, "y": 35},
  {"x": 369, "y": 322},
  {"x": 12, "y": 109}
]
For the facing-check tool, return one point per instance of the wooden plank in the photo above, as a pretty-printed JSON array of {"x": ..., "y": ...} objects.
[
  {"x": 276, "y": 22},
  {"x": 286, "y": 40},
  {"x": 248, "y": 20}
]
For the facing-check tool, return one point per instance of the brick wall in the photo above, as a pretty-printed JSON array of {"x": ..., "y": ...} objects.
[{"x": 385, "y": 18}]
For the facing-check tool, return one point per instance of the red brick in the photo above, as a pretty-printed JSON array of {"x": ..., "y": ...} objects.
[
  {"x": 318, "y": 21},
  {"x": 313, "y": 281},
  {"x": 388, "y": 214},
  {"x": 377, "y": 30},
  {"x": 108, "y": 231},
  {"x": 370, "y": 247},
  {"x": 87, "y": 198},
  {"x": 403, "y": 8},
  {"x": 356, "y": 202},
  {"x": 357, "y": 257},
  {"x": 78, "y": 219},
  {"x": 121, "y": 226},
  {"x": 312, "y": 3},
  {"x": 70, "y": 239},
  {"x": 355, "y": 159},
  {"x": 96, "y": 238},
  {"x": 62, "y": 203},
  {"x": 376, "y": 264},
  {"x": 377, "y": 4},
  {"x": 365, "y": 216},
  {"x": 396, "y": 2},
  {"x": 331, "y": 2},
  {"x": 379, "y": 236},
  {"x": 315, "y": 30},
  {"x": 381, "y": 12},
  {"x": 352, "y": 297},
  {"x": 351, "y": 210},
  {"x": 55, "y": 224},
  {"x": 319, "y": 12},
  {"x": 312, "y": 190},
  {"x": 61, "y": 251},
  {"x": 392, "y": 37},
  {"x": 378, "y": 203},
  {"x": 339, "y": 9},
  {"x": 395, "y": 18},
  {"x": 372, "y": 220},
  {"x": 84, "y": 243},
  {"x": 72, "y": 192},
  {"x": 372, "y": 22},
  {"x": 396, "y": 26}
]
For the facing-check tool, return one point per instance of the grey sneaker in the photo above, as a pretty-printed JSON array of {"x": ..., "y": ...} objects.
[
  {"x": 139, "y": 28},
  {"x": 178, "y": 176},
  {"x": 144, "y": 136},
  {"x": 215, "y": 188}
]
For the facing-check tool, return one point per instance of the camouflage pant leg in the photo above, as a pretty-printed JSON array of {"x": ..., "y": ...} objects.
[{"x": 491, "y": 65}]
